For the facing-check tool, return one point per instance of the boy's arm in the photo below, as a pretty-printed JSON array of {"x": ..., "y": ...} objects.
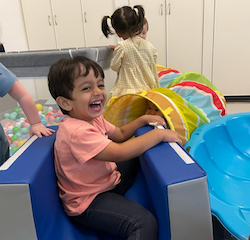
[
  {"x": 134, "y": 147},
  {"x": 127, "y": 131},
  {"x": 27, "y": 104},
  {"x": 122, "y": 149}
]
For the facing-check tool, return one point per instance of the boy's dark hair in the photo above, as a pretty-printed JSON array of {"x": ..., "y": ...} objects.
[
  {"x": 125, "y": 20},
  {"x": 63, "y": 73}
]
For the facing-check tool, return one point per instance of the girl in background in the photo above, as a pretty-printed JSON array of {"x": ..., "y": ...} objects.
[
  {"x": 2, "y": 47},
  {"x": 134, "y": 58},
  {"x": 144, "y": 32}
]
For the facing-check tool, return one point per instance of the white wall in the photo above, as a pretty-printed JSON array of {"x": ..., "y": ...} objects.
[
  {"x": 12, "y": 30},
  {"x": 13, "y": 37}
]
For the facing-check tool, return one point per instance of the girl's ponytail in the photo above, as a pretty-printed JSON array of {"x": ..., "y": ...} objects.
[
  {"x": 105, "y": 27},
  {"x": 141, "y": 16}
]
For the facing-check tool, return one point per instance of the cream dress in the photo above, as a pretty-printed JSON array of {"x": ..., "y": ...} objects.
[{"x": 135, "y": 61}]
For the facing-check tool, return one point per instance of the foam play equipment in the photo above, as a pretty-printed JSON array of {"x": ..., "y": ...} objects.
[
  {"x": 166, "y": 76},
  {"x": 196, "y": 89},
  {"x": 222, "y": 149},
  {"x": 170, "y": 184},
  {"x": 181, "y": 115}
]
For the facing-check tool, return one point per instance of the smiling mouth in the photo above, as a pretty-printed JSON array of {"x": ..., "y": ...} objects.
[{"x": 96, "y": 105}]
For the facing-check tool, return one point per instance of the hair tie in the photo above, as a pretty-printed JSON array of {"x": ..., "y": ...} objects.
[
  {"x": 132, "y": 8},
  {"x": 109, "y": 17}
]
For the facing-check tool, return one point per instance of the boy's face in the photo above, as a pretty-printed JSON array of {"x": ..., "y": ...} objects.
[
  {"x": 89, "y": 96},
  {"x": 144, "y": 32},
  {"x": 153, "y": 110}
]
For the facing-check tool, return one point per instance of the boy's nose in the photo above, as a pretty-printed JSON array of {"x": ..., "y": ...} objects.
[{"x": 97, "y": 90}]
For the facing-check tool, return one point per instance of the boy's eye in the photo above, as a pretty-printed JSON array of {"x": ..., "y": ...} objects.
[
  {"x": 86, "y": 88},
  {"x": 101, "y": 86}
]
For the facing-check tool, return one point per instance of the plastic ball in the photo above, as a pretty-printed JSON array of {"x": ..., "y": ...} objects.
[
  {"x": 19, "y": 116},
  {"x": 44, "y": 122},
  {"x": 6, "y": 115},
  {"x": 16, "y": 110},
  {"x": 50, "y": 109},
  {"x": 18, "y": 124},
  {"x": 15, "y": 142},
  {"x": 10, "y": 127},
  {"x": 13, "y": 116},
  {"x": 14, "y": 137},
  {"x": 16, "y": 129},
  {"x": 8, "y": 137},
  {"x": 13, "y": 149},
  {"x": 58, "y": 119},
  {"x": 13, "y": 145},
  {"x": 19, "y": 133},
  {"x": 39, "y": 107},
  {"x": 20, "y": 143},
  {"x": 24, "y": 130},
  {"x": 8, "y": 132}
]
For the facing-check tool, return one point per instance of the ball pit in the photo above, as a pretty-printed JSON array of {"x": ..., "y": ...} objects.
[{"x": 16, "y": 126}]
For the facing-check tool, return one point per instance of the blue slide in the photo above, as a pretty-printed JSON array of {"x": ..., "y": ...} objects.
[{"x": 222, "y": 148}]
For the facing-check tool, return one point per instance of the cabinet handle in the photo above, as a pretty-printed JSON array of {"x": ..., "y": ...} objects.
[
  {"x": 169, "y": 9},
  {"x": 161, "y": 10},
  {"x": 55, "y": 20},
  {"x": 49, "y": 20},
  {"x": 85, "y": 17}
]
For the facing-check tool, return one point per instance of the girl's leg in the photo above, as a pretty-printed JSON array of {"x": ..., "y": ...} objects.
[{"x": 113, "y": 213}]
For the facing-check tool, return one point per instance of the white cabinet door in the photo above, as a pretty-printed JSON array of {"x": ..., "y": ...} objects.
[
  {"x": 185, "y": 35},
  {"x": 231, "y": 55},
  {"x": 93, "y": 12},
  {"x": 155, "y": 15},
  {"x": 67, "y": 15},
  {"x": 39, "y": 24}
]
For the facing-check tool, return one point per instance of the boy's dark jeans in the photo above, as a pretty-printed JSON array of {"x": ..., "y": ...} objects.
[{"x": 112, "y": 212}]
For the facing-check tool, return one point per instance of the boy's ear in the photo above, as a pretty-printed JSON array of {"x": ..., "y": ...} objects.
[{"x": 64, "y": 103}]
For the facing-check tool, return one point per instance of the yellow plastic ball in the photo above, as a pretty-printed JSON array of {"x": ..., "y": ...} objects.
[
  {"x": 20, "y": 143},
  {"x": 39, "y": 107}
]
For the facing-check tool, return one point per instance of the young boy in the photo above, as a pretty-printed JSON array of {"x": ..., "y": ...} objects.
[
  {"x": 9, "y": 85},
  {"x": 92, "y": 156}
]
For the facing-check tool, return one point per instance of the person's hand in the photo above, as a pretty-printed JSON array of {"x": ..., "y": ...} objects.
[
  {"x": 154, "y": 120},
  {"x": 170, "y": 136},
  {"x": 39, "y": 129},
  {"x": 112, "y": 46}
]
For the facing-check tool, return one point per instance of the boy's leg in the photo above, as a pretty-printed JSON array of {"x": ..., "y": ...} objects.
[
  {"x": 113, "y": 213},
  {"x": 128, "y": 170}
]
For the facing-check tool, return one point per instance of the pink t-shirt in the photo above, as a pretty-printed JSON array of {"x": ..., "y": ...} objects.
[{"x": 81, "y": 176}]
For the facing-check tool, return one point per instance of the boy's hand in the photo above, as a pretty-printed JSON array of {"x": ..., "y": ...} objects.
[
  {"x": 39, "y": 129},
  {"x": 171, "y": 136}
]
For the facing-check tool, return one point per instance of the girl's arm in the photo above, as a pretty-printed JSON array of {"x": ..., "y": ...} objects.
[
  {"x": 116, "y": 61},
  {"x": 27, "y": 104},
  {"x": 134, "y": 147}
]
